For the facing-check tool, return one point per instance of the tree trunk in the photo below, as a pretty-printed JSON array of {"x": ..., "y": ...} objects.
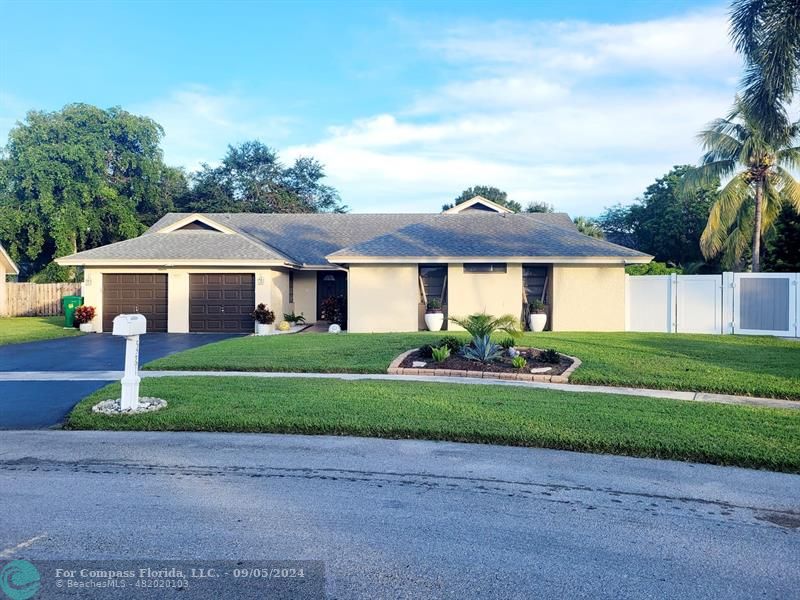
[{"x": 757, "y": 227}]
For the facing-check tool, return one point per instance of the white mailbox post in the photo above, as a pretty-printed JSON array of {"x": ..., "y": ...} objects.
[{"x": 131, "y": 327}]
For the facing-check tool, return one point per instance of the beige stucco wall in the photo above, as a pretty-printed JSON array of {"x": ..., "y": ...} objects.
[
  {"x": 382, "y": 298},
  {"x": 588, "y": 298},
  {"x": 493, "y": 293},
  {"x": 305, "y": 295},
  {"x": 3, "y": 292},
  {"x": 177, "y": 291}
]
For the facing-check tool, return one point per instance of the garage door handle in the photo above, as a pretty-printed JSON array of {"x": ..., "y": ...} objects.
[
  {"x": 222, "y": 309},
  {"x": 136, "y": 309}
]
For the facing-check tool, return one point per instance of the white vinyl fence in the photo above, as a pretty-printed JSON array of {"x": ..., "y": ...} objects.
[{"x": 744, "y": 303}]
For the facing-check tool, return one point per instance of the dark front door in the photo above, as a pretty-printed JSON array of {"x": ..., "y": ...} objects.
[
  {"x": 332, "y": 297},
  {"x": 221, "y": 302},
  {"x": 143, "y": 293}
]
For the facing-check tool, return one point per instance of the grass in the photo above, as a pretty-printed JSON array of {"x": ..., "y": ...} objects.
[
  {"x": 587, "y": 422},
  {"x": 746, "y": 365},
  {"x": 14, "y": 330}
]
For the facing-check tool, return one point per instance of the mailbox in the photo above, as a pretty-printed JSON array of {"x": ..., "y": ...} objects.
[{"x": 128, "y": 325}]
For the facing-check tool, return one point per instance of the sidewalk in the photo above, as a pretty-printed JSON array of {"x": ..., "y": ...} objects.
[{"x": 565, "y": 387}]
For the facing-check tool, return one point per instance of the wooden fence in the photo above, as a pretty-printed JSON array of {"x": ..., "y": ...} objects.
[{"x": 38, "y": 299}]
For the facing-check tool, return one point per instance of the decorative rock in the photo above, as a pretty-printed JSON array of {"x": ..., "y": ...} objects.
[
  {"x": 418, "y": 364},
  {"x": 512, "y": 352},
  {"x": 112, "y": 407},
  {"x": 284, "y": 326},
  {"x": 541, "y": 369},
  {"x": 334, "y": 328}
]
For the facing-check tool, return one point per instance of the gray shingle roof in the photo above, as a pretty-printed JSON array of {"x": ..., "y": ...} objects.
[{"x": 310, "y": 238}]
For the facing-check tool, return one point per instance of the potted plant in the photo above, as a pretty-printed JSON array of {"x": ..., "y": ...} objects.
[
  {"x": 538, "y": 316},
  {"x": 83, "y": 318},
  {"x": 264, "y": 319},
  {"x": 434, "y": 318}
]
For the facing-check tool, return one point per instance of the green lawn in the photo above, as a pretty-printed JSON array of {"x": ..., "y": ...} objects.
[
  {"x": 14, "y": 330},
  {"x": 603, "y": 423},
  {"x": 756, "y": 366}
]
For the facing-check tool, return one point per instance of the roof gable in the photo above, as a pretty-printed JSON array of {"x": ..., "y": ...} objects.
[{"x": 477, "y": 204}]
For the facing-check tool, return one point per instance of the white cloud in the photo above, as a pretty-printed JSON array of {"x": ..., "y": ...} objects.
[{"x": 577, "y": 114}]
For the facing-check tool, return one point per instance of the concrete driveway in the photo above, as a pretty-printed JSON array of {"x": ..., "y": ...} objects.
[
  {"x": 404, "y": 519},
  {"x": 38, "y": 404}
]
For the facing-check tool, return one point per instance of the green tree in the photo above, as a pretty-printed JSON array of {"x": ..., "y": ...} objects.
[
  {"x": 78, "y": 178},
  {"x": 664, "y": 222},
  {"x": 783, "y": 246},
  {"x": 539, "y": 207},
  {"x": 489, "y": 192},
  {"x": 252, "y": 179},
  {"x": 760, "y": 183},
  {"x": 588, "y": 227},
  {"x": 767, "y": 34}
]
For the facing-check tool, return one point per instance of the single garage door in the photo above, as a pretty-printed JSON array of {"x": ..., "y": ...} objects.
[
  {"x": 221, "y": 301},
  {"x": 143, "y": 293}
]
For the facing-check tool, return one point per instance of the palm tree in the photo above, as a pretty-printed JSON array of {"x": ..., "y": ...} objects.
[
  {"x": 588, "y": 227},
  {"x": 767, "y": 34},
  {"x": 759, "y": 183}
]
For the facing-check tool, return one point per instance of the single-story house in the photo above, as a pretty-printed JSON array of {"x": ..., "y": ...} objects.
[
  {"x": 205, "y": 272},
  {"x": 7, "y": 267}
]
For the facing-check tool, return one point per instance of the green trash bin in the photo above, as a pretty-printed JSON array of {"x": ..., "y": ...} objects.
[{"x": 70, "y": 303}]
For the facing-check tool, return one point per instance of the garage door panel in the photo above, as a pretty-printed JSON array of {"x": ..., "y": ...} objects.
[
  {"x": 143, "y": 293},
  {"x": 221, "y": 302}
]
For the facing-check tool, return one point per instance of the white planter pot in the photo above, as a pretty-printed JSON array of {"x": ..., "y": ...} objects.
[
  {"x": 263, "y": 329},
  {"x": 86, "y": 327},
  {"x": 434, "y": 321},
  {"x": 538, "y": 321}
]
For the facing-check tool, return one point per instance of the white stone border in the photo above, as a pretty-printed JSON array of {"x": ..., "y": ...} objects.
[{"x": 396, "y": 369}]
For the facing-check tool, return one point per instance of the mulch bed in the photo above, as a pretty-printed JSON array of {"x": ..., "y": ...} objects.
[{"x": 503, "y": 365}]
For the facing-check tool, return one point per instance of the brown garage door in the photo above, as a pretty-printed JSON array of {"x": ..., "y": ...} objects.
[
  {"x": 143, "y": 293},
  {"x": 221, "y": 301}
]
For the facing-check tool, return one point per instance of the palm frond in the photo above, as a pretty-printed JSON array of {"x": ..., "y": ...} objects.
[{"x": 723, "y": 215}]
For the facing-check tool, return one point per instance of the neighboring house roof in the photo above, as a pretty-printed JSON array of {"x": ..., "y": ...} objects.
[
  {"x": 5, "y": 259},
  {"x": 477, "y": 204},
  {"x": 319, "y": 239}
]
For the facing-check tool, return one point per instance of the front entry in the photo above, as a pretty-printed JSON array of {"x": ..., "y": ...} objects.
[
  {"x": 332, "y": 297},
  {"x": 221, "y": 302}
]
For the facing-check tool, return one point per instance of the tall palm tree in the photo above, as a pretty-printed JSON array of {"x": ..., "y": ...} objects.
[
  {"x": 759, "y": 183},
  {"x": 767, "y": 34}
]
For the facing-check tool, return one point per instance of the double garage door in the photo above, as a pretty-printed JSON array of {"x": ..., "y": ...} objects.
[{"x": 218, "y": 302}]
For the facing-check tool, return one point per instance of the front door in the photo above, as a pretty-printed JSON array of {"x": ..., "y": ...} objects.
[{"x": 332, "y": 297}]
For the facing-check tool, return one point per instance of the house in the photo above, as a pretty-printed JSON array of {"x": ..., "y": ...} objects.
[
  {"x": 205, "y": 272},
  {"x": 7, "y": 267}
]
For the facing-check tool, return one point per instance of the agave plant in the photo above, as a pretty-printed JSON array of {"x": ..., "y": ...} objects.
[
  {"x": 480, "y": 325},
  {"x": 482, "y": 349}
]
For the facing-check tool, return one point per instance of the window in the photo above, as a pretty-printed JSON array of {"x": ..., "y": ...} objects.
[
  {"x": 291, "y": 287},
  {"x": 485, "y": 268}
]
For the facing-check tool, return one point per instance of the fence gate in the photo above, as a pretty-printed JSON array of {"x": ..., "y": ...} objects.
[
  {"x": 698, "y": 304},
  {"x": 765, "y": 304}
]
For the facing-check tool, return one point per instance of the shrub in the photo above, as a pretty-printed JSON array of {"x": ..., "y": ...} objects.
[
  {"x": 84, "y": 314},
  {"x": 507, "y": 343},
  {"x": 549, "y": 356},
  {"x": 519, "y": 362},
  {"x": 440, "y": 354},
  {"x": 451, "y": 342},
  {"x": 434, "y": 305},
  {"x": 333, "y": 310},
  {"x": 293, "y": 318},
  {"x": 263, "y": 315},
  {"x": 480, "y": 325},
  {"x": 537, "y": 307},
  {"x": 426, "y": 351},
  {"x": 483, "y": 350}
]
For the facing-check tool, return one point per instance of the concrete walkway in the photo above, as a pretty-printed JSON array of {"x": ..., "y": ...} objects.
[{"x": 566, "y": 387}]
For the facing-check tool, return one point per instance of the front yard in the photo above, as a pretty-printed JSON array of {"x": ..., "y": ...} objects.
[
  {"x": 756, "y": 366},
  {"x": 603, "y": 423},
  {"x": 14, "y": 330}
]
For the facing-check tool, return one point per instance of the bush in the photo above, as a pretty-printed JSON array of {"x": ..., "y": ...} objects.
[
  {"x": 293, "y": 318},
  {"x": 481, "y": 325},
  {"x": 507, "y": 343},
  {"x": 83, "y": 314},
  {"x": 652, "y": 268},
  {"x": 550, "y": 356},
  {"x": 440, "y": 354},
  {"x": 482, "y": 350},
  {"x": 263, "y": 315},
  {"x": 537, "y": 307},
  {"x": 451, "y": 342},
  {"x": 519, "y": 362},
  {"x": 435, "y": 305},
  {"x": 55, "y": 273},
  {"x": 426, "y": 351}
]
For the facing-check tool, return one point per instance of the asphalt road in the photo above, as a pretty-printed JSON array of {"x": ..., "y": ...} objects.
[
  {"x": 405, "y": 519},
  {"x": 38, "y": 404}
]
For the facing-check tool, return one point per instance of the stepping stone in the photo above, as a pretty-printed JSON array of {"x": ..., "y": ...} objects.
[{"x": 418, "y": 364}]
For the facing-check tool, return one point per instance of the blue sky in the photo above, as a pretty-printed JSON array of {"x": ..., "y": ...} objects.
[{"x": 579, "y": 104}]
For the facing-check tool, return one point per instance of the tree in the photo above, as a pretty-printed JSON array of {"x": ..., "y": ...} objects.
[
  {"x": 767, "y": 34},
  {"x": 588, "y": 227},
  {"x": 783, "y": 247},
  {"x": 539, "y": 207},
  {"x": 492, "y": 193},
  {"x": 252, "y": 179},
  {"x": 664, "y": 222},
  {"x": 79, "y": 178},
  {"x": 759, "y": 185}
]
